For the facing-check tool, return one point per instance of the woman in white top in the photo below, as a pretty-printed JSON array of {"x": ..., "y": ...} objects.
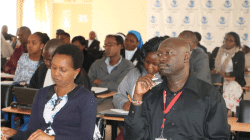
[{"x": 229, "y": 61}]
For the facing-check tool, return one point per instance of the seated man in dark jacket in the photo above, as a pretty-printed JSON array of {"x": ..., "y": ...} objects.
[{"x": 42, "y": 76}]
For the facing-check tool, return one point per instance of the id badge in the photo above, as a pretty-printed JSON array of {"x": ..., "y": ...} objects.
[{"x": 160, "y": 139}]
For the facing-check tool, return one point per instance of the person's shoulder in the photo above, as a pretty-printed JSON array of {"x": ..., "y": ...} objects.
[
  {"x": 207, "y": 89},
  {"x": 240, "y": 53},
  {"x": 24, "y": 56},
  {"x": 85, "y": 93},
  {"x": 99, "y": 61},
  {"x": 126, "y": 62}
]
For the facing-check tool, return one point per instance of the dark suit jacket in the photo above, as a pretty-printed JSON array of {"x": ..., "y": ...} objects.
[
  {"x": 38, "y": 78},
  {"x": 238, "y": 65},
  {"x": 202, "y": 47},
  {"x": 135, "y": 56},
  {"x": 93, "y": 49},
  {"x": 199, "y": 64}
]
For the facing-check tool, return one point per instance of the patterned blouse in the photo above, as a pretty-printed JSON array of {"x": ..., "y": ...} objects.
[
  {"x": 51, "y": 108},
  {"x": 25, "y": 69}
]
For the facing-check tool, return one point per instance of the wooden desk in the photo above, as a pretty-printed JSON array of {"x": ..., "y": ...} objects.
[
  {"x": 106, "y": 95},
  {"x": 111, "y": 118},
  {"x": 6, "y": 75},
  {"x": 17, "y": 110},
  {"x": 26, "y": 116},
  {"x": 237, "y": 126}
]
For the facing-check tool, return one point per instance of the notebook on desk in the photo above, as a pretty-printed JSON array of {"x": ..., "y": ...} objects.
[
  {"x": 25, "y": 97},
  {"x": 99, "y": 90}
]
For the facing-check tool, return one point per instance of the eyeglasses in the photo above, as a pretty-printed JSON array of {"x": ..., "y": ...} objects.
[
  {"x": 109, "y": 45},
  {"x": 229, "y": 40}
]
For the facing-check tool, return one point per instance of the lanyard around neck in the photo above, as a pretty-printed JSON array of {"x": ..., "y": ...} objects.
[{"x": 171, "y": 104}]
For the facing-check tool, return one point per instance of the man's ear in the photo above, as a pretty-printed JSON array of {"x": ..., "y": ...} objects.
[
  {"x": 120, "y": 46},
  {"x": 187, "y": 57}
]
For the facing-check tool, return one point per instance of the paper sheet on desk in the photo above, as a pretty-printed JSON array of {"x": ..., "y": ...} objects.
[
  {"x": 6, "y": 82},
  {"x": 120, "y": 111},
  {"x": 99, "y": 89}
]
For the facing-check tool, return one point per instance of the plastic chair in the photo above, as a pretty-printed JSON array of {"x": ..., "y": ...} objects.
[
  {"x": 6, "y": 100},
  {"x": 100, "y": 125},
  {"x": 217, "y": 81},
  {"x": 244, "y": 117}
]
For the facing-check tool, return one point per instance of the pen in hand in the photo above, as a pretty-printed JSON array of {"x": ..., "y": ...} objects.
[{"x": 128, "y": 97}]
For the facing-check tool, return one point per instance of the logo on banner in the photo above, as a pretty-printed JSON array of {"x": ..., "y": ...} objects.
[
  {"x": 204, "y": 20},
  {"x": 241, "y": 21},
  {"x": 209, "y": 36},
  {"x": 174, "y": 34},
  {"x": 186, "y": 20},
  {"x": 169, "y": 20},
  {"x": 191, "y": 4},
  {"x": 222, "y": 20},
  {"x": 157, "y": 33},
  {"x": 245, "y": 36},
  {"x": 246, "y": 4},
  {"x": 153, "y": 20},
  {"x": 174, "y": 3},
  {"x": 157, "y": 3},
  {"x": 227, "y": 4},
  {"x": 209, "y": 4}
]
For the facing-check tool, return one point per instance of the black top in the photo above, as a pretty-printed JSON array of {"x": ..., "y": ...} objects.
[
  {"x": 93, "y": 49},
  {"x": 88, "y": 60},
  {"x": 199, "y": 113},
  {"x": 8, "y": 37},
  {"x": 238, "y": 65},
  {"x": 38, "y": 78}
]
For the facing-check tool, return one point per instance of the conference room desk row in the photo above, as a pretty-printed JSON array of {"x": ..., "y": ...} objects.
[{"x": 235, "y": 126}]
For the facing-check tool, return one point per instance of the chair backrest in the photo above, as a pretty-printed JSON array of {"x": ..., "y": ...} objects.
[
  {"x": 244, "y": 114},
  {"x": 6, "y": 95},
  {"x": 217, "y": 81},
  {"x": 100, "y": 125}
]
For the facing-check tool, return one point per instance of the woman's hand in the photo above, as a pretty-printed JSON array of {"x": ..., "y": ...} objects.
[
  {"x": 40, "y": 135},
  {"x": 8, "y": 132},
  {"x": 143, "y": 84},
  {"x": 126, "y": 106}
]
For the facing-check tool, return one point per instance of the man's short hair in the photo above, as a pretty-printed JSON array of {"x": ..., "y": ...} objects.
[
  {"x": 59, "y": 31},
  {"x": 27, "y": 30},
  {"x": 118, "y": 39},
  {"x": 65, "y": 34}
]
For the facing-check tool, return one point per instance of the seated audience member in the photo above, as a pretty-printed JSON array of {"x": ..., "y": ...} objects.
[
  {"x": 93, "y": 45},
  {"x": 15, "y": 42},
  {"x": 132, "y": 44},
  {"x": 11, "y": 65},
  {"x": 229, "y": 61},
  {"x": 80, "y": 42},
  {"x": 198, "y": 111},
  {"x": 199, "y": 62},
  {"x": 109, "y": 71},
  {"x": 199, "y": 46},
  {"x": 28, "y": 62},
  {"x": 246, "y": 50},
  {"x": 6, "y": 49},
  {"x": 122, "y": 35},
  {"x": 65, "y": 37},
  {"x": 7, "y": 37},
  {"x": 58, "y": 32},
  {"x": 42, "y": 76},
  {"x": 147, "y": 65},
  {"x": 64, "y": 111}
]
